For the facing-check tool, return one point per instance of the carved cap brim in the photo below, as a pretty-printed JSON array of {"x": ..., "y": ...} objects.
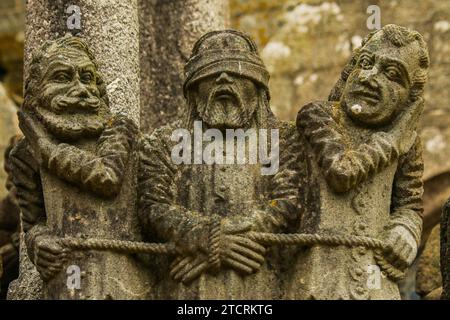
[{"x": 237, "y": 62}]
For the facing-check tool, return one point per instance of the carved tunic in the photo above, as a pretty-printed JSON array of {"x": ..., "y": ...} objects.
[
  {"x": 86, "y": 196},
  {"x": 361, "y": 186},
  {"x": 176, "y": 199}
]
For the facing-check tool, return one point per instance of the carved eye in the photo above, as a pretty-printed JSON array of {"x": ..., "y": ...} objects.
[
  {"x": 61, "y": 77},
  {"x": 365, "y": 63},
  {"x": 87, "y": 77},
  {"x": 392, "y": 73}
]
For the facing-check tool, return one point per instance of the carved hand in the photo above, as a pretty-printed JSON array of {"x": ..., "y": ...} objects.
[
  {"x": 242, "y": 254},
  {"x": 404, "y": 247},
  {"x": 238, "y": 252},
  {"x": 35, "y": 134},
  {"x": 187, "y": 269},
  {"x": 50, "y": 256}
]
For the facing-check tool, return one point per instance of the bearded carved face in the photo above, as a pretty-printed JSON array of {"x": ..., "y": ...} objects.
[
  {"x": 68, "y": 99},
  {"x": 226, "y": 101},
  {"x": 379, "y": 86}
]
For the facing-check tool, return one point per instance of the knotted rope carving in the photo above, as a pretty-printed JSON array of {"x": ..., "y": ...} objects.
[{"x": 297, "y": 239}]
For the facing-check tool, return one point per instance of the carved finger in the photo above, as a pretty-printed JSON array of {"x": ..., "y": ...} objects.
[
  {"x": 186, "y": 269},
  {"x": 26, "y": 124},
  {"x": 180, "y": 265},
  {"x": 250, "y": 254},
  {"x": 231, "y": 228},
  {"x": 238, "y": 266},
  {"x": 252, "y": 245},
  {"x": 45, "y": 275},
  {"x": 50, "y": 255},
  {"x": 58, "y": 260},
  {"x": 49, "y": 266},
  {"x": 48, "y": 275},
  {"x": 195, "y": 272},
  {"x": 244, "y": 260},
  {"x": 50, "y": 248},
  {"x": 175, "y": 262}
]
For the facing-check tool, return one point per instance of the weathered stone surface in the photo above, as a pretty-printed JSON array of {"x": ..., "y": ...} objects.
[
  {"x": 168, "y": 30},
  {"x": 9, "y": 229},
  {"x": 112, "y": 36},
  {"x": 366, "y": 168},
  {"x": 445, "y": 251},
  {"x": 206, "y": 209}
]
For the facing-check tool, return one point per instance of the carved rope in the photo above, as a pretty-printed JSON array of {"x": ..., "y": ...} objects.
[{"x": 299, "y": 239}]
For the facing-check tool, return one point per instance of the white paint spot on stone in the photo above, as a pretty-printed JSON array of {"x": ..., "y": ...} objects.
[
  {"x": 435, "y": 144},
  {"x": 356, "y": 108}
]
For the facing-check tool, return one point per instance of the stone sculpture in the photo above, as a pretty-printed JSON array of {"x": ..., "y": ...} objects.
[
  {"x": 334, "y": 211},
  {"x": 445, "y": 251},
  {"x": 9, "y": 228},
  {"x": 69, "y": 171},
  {"x": 365, "y": 170},
  {"x": 207, "y": 209}
]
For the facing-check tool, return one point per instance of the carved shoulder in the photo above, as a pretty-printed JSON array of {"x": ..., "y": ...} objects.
[{"x": 27, "y": 180}]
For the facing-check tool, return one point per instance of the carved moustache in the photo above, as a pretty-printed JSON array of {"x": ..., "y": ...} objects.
[
  {"x": 73, "y": 126},
  {"x": 75, "y": 104}
]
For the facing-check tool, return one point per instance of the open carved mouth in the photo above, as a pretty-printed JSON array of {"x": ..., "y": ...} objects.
[
  {"x": 367, "y": 95},
  {"x": 225, "y": 94}
]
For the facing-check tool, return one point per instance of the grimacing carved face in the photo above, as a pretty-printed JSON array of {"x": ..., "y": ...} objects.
[
  {"x": 69, "y": 102},
  {"x": 379, "y": 86},
  {"x": 225, "y": 100}
]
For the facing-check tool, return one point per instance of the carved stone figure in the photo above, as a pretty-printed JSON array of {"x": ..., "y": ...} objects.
[
  {"x": 365, "y": 170},
  {"x": 73, "y": 175},
  {"x": 9, "y": 228},
  {"x": 205, "y": 209},
  {"x": 445, "y": 251}
]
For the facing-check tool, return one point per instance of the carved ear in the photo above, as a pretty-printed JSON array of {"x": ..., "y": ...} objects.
[{"x": 102, "y": 89}]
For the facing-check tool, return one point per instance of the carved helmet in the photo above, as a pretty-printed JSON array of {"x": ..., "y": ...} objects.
[{"x": 225, "y": 51}]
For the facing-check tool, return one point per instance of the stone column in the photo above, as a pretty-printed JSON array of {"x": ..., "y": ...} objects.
[
  {"x": 111, "y": 29},
  {"x": 168, "y": 30}
]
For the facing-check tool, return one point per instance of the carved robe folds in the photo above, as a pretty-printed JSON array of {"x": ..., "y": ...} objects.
[{"x": 176, "y": 199}]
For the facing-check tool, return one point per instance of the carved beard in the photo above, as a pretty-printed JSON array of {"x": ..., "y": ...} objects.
[
  {"x": 224, "y": 108},
  {"x": 74, "y": 125}
]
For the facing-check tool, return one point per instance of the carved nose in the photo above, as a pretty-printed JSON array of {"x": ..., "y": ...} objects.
[
  {"x": 368, "y": 77},
  {"x": 79, "y": 90},
  {"x": 224, "y": 78}
]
